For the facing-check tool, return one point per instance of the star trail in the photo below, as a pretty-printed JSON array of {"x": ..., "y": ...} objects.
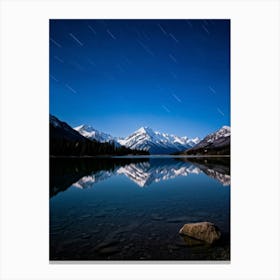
[{"x": 119, "y": 75}]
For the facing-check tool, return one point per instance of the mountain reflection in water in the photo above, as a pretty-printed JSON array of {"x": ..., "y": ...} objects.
[{"x": 86, "y": 172}]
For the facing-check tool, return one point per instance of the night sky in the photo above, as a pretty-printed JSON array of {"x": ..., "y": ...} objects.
[{"x": 119, "y": 75}]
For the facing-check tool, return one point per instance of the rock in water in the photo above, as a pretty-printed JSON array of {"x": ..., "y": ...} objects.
[
  {"x": 204, "y": 231},
  {"x": 192, "y": 242}
]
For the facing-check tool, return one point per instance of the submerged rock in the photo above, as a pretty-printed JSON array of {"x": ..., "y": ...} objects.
[
  {"x": 192, "y": 242},
  {"x": 109, "y": 250},
  {"x": 204, "y": 231}
]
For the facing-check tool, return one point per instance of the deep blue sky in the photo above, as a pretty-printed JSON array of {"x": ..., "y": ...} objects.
[{"x": 119, "y": 75}]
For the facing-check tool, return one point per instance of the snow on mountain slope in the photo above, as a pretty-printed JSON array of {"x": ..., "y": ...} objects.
[
  {"x": 193, "y": 142},
  {"x": 144, "y": 138},
  {"x": 222, "y": 132},
  {"x": 216, "y": 138},
  {"x": 93, "y": 134},
  {"x": 155, "y": 142},
  {"x": 214, "y": 143}
]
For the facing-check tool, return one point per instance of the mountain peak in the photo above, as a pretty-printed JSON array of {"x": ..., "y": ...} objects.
[
  {"x": 85, "y": 127},
  {"x": 223, "y": 131},
  {"x": 217, "y": 143},
  {"x": 93, "y": 134},
  {"x": 145, "y": 138},
  {"x": 225, "y": 127},
  {"x": 145, "y": 129}
]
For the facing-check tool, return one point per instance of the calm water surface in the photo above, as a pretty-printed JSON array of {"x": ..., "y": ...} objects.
[{"x": 133, "y": 208}]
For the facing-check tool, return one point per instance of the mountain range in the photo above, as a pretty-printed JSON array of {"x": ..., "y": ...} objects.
[
  {"x": 145, "y": 139},
  {"x": 86, "y": 140}
]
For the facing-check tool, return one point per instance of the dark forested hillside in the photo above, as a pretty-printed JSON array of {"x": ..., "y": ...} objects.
[{"x": 217, "y": 143}]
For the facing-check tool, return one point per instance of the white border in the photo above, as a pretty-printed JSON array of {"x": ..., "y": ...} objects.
[{"x": 255, "y": 138}]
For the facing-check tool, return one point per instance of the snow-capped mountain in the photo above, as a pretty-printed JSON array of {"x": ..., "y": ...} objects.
[
  {"x": 192, "y": 142},
  {"x": 214, "y": 143},
  {"x": 145, "y": 139},
  {"x": 222, "y": 133},
  {"x": 155, "y": 142},
  {"x": 94, "y": 134}
]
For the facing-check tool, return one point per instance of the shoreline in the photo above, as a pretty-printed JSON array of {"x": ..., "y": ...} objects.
[{"x": 146, "y": 156}]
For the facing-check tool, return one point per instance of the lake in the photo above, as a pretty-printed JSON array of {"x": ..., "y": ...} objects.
[{"x": 132, "y": 208}]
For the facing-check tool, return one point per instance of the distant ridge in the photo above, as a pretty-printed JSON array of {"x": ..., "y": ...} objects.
[{"x": 217, "y": 143}]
